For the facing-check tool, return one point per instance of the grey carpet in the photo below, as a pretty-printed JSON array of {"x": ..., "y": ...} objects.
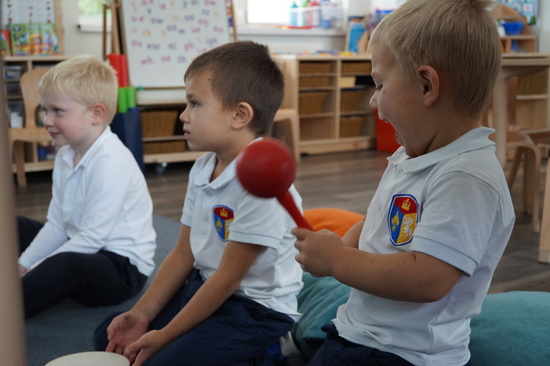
[{"x": 68, "y": 327}]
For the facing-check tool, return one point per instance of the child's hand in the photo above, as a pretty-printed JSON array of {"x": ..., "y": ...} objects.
[
  {"x": 124, "y": 330},
  {"x": 22, "y": 270},
  {"x": 145, "y": 347},
  {"x": 318, "y": 250}
]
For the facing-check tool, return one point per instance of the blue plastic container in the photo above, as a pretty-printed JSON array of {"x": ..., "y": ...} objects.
[{"x": 512, "y": 28}]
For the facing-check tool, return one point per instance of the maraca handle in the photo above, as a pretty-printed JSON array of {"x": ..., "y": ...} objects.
[{"x": 288, "y": 203}]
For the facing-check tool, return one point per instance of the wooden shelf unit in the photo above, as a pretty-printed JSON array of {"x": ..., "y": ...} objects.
[
  {"x": 331, "y": 94},
  {"x": 167, "y": 140},
  {"x": 525, "y": 41},
  {"x": 529, "y": 92},
  {"x": 14, "y": 101}
]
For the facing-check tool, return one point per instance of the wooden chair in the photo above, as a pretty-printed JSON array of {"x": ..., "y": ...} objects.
[
  {"x": 544, "y": 239},
  {"x": 523, "y": 149},
  {"x": 291, "y": 134},
  {"x": 528, "y": 152},
  {"x": 30, "y": 133}
]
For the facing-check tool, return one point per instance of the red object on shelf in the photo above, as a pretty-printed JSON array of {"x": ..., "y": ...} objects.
[
  {"x": 385, "y": 136},
  {"x": 119, "y": 63},
  {"x": 124, "y": 71}
]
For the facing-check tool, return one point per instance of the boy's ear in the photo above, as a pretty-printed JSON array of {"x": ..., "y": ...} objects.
[
  {"x": 243, "y": 115},
  {"x": 429, "y": 82},
  {"x": 99, "y": 112}
]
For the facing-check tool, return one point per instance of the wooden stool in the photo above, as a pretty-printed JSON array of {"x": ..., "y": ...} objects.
[
  {"x": 544, "y": 241},
  {"x": 91, "y": 359},
  {"x": 528, "y": 152},
  {"x": 291, "y": 117}
]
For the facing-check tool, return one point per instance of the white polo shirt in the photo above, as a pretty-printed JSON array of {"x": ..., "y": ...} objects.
[
  {"x": 222, "y": 210},
  {"x": 453, "y": 204},
  {"x": 102, "y": 203}
]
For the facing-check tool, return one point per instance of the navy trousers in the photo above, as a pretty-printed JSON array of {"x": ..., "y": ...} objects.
[
  {"x": 238, "y": 333},
  {"x": 99, "y": 279},
  {"x": 338, "y": 351}
]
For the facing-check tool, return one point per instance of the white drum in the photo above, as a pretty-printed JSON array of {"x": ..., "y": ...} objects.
[{"x": 90, "y": 359}]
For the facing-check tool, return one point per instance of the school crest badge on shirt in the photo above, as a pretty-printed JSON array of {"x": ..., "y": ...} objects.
[
  {"x": 402, "y": 218},
  {"x": 223, "y": 217}
]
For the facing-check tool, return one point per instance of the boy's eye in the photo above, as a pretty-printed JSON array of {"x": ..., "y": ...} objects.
[
  {"x": 378, "y": 86},
  {"x": 193, "y": 103}
]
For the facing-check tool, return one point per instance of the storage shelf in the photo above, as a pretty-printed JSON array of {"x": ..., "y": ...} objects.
[
  {"x": 164, "y": 138},
  {"x": 533, "y": 97},
  {"x": 356, "y": 113},
  {"x": 523, "y": 42},
  {"x": 172, "y": 157},
  {"x": 305, "y": 89},
  {"x": 320, "y": 132}
]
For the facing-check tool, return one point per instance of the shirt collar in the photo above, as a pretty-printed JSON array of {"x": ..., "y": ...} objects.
[
  {"x": 203, "y": 179},
  {"x": 475, "y": 139},
  {"x": 70, "y": 152}
]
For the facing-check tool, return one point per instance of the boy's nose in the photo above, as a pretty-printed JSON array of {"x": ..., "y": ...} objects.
[
  {"x": 47, "y": 120},
  {"x": 183, "y": 116},
  {"x": 372, "y": 103}
]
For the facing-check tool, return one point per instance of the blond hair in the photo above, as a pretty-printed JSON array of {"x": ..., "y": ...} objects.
[
  {"x": 456, "y": 37},
  {"x": 85, "y": 79}
]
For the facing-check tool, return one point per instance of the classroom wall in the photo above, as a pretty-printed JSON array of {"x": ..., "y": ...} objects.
[
  {"x": 78, "y": 42},
  {"x": 544, "y": 26}
]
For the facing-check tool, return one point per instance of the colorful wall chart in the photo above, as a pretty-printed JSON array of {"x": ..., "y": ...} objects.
[
  {"x": 162, "y": 37},
  {"x": 27, "y": 11}
]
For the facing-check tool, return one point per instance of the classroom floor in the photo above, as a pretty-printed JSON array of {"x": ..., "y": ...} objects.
[{"x": 341, "y": 180}]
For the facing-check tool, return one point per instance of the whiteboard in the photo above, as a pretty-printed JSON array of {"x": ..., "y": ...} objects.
[{"x": 162, "y": 37}]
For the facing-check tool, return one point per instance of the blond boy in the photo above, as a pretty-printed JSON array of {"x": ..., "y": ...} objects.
[
  {"x": 98, "y": 242},
  {"x": 421, "y": 263}
]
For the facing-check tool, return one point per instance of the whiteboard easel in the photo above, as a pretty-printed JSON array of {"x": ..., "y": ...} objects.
[{"x": 161, "y": 38}]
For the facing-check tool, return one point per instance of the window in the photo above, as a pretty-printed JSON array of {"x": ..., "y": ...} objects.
[
  {"x": 275, "y": 12},
  {"x": 90, "y": 8},
  {"x": 257, "y": 12},
  {"x": 91, "y": 15}
]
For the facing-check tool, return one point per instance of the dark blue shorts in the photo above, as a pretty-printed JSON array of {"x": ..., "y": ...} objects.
[
  {"x": 338, "y": 351},
  {"x": 238, "y": 333}
]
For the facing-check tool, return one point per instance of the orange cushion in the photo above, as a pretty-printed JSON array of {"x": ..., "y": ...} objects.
[{"x": 333, "y": 219}]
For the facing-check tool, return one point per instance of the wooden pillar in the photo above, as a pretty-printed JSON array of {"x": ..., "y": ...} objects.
[{"x": 12, "y": 331}]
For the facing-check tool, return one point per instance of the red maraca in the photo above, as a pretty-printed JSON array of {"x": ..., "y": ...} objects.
[{"x": 266, "y": 169}]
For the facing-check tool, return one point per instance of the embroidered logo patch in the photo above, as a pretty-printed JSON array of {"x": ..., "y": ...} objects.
[
  {"x": 223, "y": 217},
  {"x": 402, "y": 218}
]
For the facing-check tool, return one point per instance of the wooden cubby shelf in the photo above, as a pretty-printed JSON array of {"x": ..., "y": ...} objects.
[{"x": 331, "y": 94}]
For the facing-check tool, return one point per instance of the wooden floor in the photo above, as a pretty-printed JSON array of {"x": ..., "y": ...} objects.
[{"x": 342, "y": 180}]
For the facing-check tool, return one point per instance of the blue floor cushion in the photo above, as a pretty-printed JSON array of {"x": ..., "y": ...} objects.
[
  {"x": 512, "y": 329},
  {"x": 318, "y": 302}
]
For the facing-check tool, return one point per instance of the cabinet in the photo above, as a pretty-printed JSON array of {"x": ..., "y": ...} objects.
[
  {"x": 37, "y": 156},
  {"x": 529, "y": 103},
  {"x": 162, "y": 135},
  {"x": 525, "y": 41},
  {"x": 331, "y": 94}
]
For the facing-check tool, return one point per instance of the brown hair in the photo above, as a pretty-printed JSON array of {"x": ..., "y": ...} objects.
[{"x": 244, "y": 72}]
